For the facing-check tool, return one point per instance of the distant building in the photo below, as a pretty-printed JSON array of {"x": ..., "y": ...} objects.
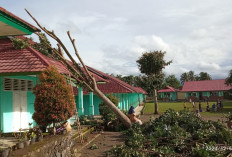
[
  {"x": 205, "y": 90},
  {"x": 168, "y": 93},
  {"x": 211, "y": 90}
]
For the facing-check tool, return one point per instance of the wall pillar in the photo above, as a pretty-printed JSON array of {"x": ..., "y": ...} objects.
[
  {"x": 127, "y": 104},
  {"x": 123, "y": 103},
  {"x": 91, "y": 106},
  {"x": 119, "y": 101},
  {"x": 80, "y": 101}
]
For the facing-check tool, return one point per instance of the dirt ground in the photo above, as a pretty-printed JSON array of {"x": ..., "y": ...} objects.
[
  {"x": 103, "y": 143},
  {"x": 107, "y": 140}
]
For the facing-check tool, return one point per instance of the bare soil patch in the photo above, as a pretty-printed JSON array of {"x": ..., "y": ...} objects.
[{"x": 104, "y": 142}]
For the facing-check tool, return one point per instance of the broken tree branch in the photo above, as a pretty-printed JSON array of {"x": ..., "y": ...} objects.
[
  {"x": 78, "y": 56},
  {"x": 84, "y": 75}
]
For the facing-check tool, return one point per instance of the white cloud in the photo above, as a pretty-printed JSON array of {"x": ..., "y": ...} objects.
[
  {"x": 150, "y": 43},
  {"x": 208, "y": 66},
  {"x": 112, "y": 35}
]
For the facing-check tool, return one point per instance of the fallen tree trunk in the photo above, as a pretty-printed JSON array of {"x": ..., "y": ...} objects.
[{"x": 81, "y": 74}]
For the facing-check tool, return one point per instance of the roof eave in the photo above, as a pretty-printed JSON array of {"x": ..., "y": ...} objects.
[{"x": 16, "y": 22}]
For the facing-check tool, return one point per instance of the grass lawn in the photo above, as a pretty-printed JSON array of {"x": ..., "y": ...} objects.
[{"x": 163, "y": 106}]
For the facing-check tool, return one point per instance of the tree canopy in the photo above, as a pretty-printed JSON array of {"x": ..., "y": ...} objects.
[
  {"x": 172, "y": 81},
  {"x": 190, "y": 76},
  {"x": 203, "y": 76},
  {"x": 152, "y": 63},
  {"x": 229, "y": 78}
]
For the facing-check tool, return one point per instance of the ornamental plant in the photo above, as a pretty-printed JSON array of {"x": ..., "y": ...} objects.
[{"x": 54, "y": 100}]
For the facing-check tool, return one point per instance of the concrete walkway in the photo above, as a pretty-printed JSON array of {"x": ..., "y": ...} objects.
[{"x": 6, "y": 142}]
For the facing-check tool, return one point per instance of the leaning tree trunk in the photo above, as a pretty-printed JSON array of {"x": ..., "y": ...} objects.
[
  {"x": 155, "y": 102},
  {"x": 82, "y": 75},
  {"x": 125, "y": 120}
]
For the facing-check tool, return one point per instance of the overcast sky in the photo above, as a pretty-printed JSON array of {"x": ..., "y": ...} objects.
[{"x": 112, "y": 34}]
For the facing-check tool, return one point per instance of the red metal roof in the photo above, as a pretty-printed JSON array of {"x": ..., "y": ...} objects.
[
  {"x": 141, "y": 90},
  {"x": 112, "y": 85},
  {"x": 19, "y": 19},
  {"x": 29, "y": 60},
  {"x": 206, "y": 85},
  {"x": 116, "y": 80},
  {"x": 24, "y": 60},
  {"x": 167, "y": 89}
]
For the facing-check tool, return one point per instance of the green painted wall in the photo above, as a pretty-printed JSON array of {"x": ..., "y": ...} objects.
[
  {"x": 6, "y": 109},
  {"x": 206, "y": 94},
  {"x": 6, "y": 103},
  {"x": 220, "y": 93},
  {"x": 172, "y": 95},
  {"x": 125, "y": 101}
]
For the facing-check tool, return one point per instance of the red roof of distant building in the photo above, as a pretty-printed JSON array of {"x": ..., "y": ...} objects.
[
  {"x": 206, "y": 85},
  {"x": 19, "y": 19},
  {"x": 24, "y": 60},
  {"x": 168, "y": 89}
]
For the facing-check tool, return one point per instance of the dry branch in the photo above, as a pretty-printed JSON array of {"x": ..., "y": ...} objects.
[{"x": 79, "y": 74}]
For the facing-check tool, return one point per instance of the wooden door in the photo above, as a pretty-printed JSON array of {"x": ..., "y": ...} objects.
[{"x": 20, "y": 119}]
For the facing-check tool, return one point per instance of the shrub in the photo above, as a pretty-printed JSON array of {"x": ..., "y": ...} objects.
[
  {"x": 107, "y": 115},
  {"x": 176, "y": 134},
  {"x": 54, "y": 100}
]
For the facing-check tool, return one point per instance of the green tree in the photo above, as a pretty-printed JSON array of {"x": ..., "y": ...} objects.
[
  {"x": 172, "y": 81},
  {"x": 128, "y": 79},
  {"x": 187, "y": 76},
  {"x": 152, "y": 64},
  {"x": 42, "y": 46},
  {"x": 54, "y": 100},
  {"x": 143, "y": 82},
  {"x": 203, "y": 76},
  {"x": 184, "y": 78},
  {"x": 191, "y": 76},
  {"x": 229, "y": 78}
]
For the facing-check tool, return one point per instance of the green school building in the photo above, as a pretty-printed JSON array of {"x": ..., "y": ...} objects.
[{"x": 19, "y": 70}]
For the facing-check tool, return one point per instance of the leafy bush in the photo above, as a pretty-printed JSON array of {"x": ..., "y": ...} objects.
[
  {"x": 176, "y": 134},
  {"x": 105, "y": 111},
  {"x": 110, "y": 121},
  {"x": 54, "y": 100},
  {"x": 20, "y": 44},
  {"x": 41, "y": 46}
]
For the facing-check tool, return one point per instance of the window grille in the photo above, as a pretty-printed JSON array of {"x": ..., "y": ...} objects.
[
  {"x": 23, "y": 85},
  {"x": 11, "y": 84},
  {"x": 16, "y": 85},
  {"x": 7, "y": 84},
  {"x": 29, "y": 85}
]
